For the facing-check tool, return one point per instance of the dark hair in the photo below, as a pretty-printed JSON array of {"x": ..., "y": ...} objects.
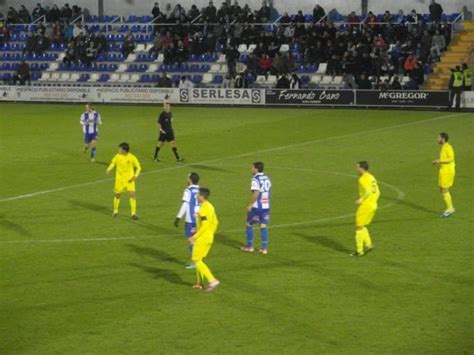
[
  {"x": 464, "y": 65},
  {"x": 194, "y": 177},
  {"x": 444, "y": 136},
  {"x": 259, "y": 166},
  {"x": 204, "y": 192},
  {"x": 364, "y": 165},
  {"x": 124, "y": 146}
]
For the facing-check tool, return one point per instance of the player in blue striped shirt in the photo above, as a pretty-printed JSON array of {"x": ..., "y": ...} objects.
[
  {"x": 189, "y": 209},
  {"x": 258, "y": 211},
  {"x": 90, "y": 121}
]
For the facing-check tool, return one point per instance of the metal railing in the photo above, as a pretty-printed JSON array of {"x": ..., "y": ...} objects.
[{"x": 458, "y": 19}]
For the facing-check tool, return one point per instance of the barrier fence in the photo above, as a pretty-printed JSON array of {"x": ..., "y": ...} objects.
[{"x": 248, "y": 97}]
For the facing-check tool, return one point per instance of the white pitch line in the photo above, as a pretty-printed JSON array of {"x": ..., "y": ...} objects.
[
  {"x": 401, "y": 196},
  {"x": 44, "y": 192}
]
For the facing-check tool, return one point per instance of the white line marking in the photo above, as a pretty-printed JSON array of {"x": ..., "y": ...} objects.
[
  {"x": 44, "y": 192},
  {"x": 401, "y": 196}
]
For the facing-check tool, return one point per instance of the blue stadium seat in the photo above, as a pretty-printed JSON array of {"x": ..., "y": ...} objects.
[
  {"x": 175, "y": 78},
  {"x": 6, "y": 66},
  {"x": 197, "y": 79},
  {"x": 84, "y": 77},
  {"x": 204, "y": 68},
  {"x": 7, "y": 76},
  {"x": 218, "y": 79},
  {"x": 145, "y": 78},
  {"x": 155, "y": 78},
  {"x": 104, "y": 77}
]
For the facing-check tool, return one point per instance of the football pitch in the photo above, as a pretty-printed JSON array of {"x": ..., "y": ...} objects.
[{"x": 75, "y": 280}]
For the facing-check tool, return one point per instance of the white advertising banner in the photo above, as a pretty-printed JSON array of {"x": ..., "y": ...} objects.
[
  {"x": 467, "y": 101},
  {"x": 88, "y": 94},
  {"x": 212, "y": 96}
]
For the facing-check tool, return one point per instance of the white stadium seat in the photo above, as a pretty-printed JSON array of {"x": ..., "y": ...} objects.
[
  {"x": 114, "y": 77},
  {"x": 65, "y": 76},
  {"x": 160, "y": 58},
  {"x": 327, "y": 79},
  {"x": 140, "y": 48},
  {"x": 271, "y": 80},
  {"x": 134, "y": 78},
  {"x": 242, "y": 48},
  {"x": 215, "y": 68},
  {"x": 131, "y": 57},
  {"x": 122, "y": 68},
  {"x": 284, "y": 48},
  {"x": 74, "y": 77},
  {"x": 124, "y": 78},
  {"x": 315, "y": 79},
  {"x": 260, "y": 79},
  {"x": 46, "y": 76},
  {"x": 405, "y": 79},
  {"x": 152, "y": 68},
  {"x": 56, "y": 76},
  {"x": 221, "y": 59},
  {"x": 322, "y": 68},
  {"x": 94, "y": 77},
  {"x": 337, "y": 80},
  {"x": 53, "y": 67},
  {"x": 207, "y": 78},
  {"x": 251, "y": 48}
]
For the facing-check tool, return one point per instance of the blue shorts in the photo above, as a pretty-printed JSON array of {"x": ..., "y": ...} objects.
[
  {"x": 189, "y": 229},
  {"x": 258, "y": 216},
  {"x": 89, "y": 137}
]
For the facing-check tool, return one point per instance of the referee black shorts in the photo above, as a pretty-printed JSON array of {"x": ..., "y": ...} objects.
[{"x": 166, "y": 137}]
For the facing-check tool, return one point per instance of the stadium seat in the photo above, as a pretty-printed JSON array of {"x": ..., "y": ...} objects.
[
  {"x": 56, "y": 76},
  {"x": 152, "y": 68},
  {"x": 260, "y": 79},
  {"x": 271, "y": 80},
  {"x": 322, "y": 68},
  {"x": 64, "y": 76},
  {"x": 284, "y": 48},
  {"x": 197, "y": 79},
  {"x": 215, "y": 68},
  {"x": 74, "y": 77},
  {"x": 221, "y": 58},
  {"x": 315, "y": 80},
  {"x": 326, "y": 80},
  {"x": 140, "y": 48},
  {"x": 134, "y": 78},
  {"x": 45, "y": 76},
  {"x": 242, "y": 48},
  {"x": 160, "y": 58},
  {"x": 337, "y": 80},
  {"x": 207, "y": 78},
  {"x": 122, "y": 68},
  {"x": 131, "y": 57},
  {"x": 124, "y": 78},
  {"x": 251, "y": 48},
  {"x": 94, "y": 77},
  {"x": 114, "y": 78}
]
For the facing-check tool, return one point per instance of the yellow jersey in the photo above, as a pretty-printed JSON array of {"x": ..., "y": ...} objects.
[
  {"x": 127, "y": 166},
  {"x": 446, "y": 157},
  {"x": 207, "y": 223},
  {"x": 369, "y": 191}
]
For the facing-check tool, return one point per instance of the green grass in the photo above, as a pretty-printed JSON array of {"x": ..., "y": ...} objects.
[{"x": 74, "y": 280}]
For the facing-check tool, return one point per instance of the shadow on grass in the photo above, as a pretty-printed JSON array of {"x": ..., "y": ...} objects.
[
  {"x": 15, "y": 227},
  {"x": 154, "y": 253},
  {"x": 226, "y": 240},
  {"x": 91, "y": 206},
  {"x": 413, "y": 205},
  {"x": 165, "y": 274},
  {"x": 324, "y": 241},
  {"x": 101, "y": 162}
]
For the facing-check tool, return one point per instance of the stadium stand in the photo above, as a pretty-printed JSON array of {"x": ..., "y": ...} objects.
[{"x": 211, "y": 47}]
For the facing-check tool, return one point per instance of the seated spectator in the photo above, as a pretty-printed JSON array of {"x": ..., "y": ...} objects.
[
  {"x": 22, "y": 75},
  {"x": 169, "y": 54},
  {"x": 210, "y": 13},
  {"x": 31, "y": 44},
  {"x": 156, "y": 46},
  {"x": 395, "y": 85},
  {"x": 264, "y": 13},
  {"x": 363, "y": 83},
  {"x": 128, "y": 44},
  {"x": 24, "y": 15},
  {"x": 12, "y": 15},
  {"x": 371, "y": 19},
  {"x": 285, "y": 18},
  {"x": 264, "y": 64},
  {"x": 283, "y": 82},
  {"x": 38, "y": 12},
  {"x": 387, "y": 17},
  {"x": 438, "y": 43},
  {"x": 353, "y": 18},
  {"x": 4, "y": 34},
  {"x": 100, "y": 42},
  {"x": 295, "y": 82},
  {"x": 91, "y": 54},
  {"x": 69, "y": 55},
  {"x": 66, "y": 13},
  {"x": 165, "y": 81},
  {"x": 318, "y": 13},
  {"x": 185, "y": 83},
  {"x": 193, "y": 13},
  {"x": 76, "y": 11},
  {"x": 412, "y": 84},
  {"x": 42, "y": 44},
  {"x": 410, "y": 64},
  {"x": 181, "y": 53},
  {"x": 379, "y": 42},
  {"x": 414, "y": 17}
]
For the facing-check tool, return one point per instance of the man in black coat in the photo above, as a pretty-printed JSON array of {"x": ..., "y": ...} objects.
[{"x": 435, "y": 11}]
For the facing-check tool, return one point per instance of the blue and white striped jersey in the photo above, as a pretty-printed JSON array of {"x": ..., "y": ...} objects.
[
  {"x": 262, "y": 184},
  {"x": 190, "y": 206},
  {"x": 90, "y": 122}
]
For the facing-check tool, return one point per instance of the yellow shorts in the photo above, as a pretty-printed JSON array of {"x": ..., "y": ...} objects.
[
  {"x": 446, "y": 178},
  {"x": 365, "y": 214},
  {"x": 201, "y": 249},
  {"x": 123, "y": 186}
]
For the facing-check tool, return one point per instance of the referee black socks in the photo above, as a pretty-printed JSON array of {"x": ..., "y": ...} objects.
[
  {"x": 175, "y": 152},
  {"x": 157, "y": 150}
]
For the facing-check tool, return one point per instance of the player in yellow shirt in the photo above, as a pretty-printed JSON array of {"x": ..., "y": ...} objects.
[
  {"x": 127, "y": 168},
  {"x": 447, "y": 171},
  {"x": 369, "y": 194},
  {"x": 207, "y": 223}
]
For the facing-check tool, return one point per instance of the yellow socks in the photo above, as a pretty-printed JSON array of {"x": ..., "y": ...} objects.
[
  {"x": 449, "y": 202},
  {"x": 133, "y": 206},
  {"x": 360, "y": 241},
  {"x": 116, "y": 204},
  {"x": 367, "y": 240},
  {"x": 204, "y": 272}
]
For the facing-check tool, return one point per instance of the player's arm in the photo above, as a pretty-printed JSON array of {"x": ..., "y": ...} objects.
[
  {"x": 184, "y": 207},
  {"x": 367, "y": 192},
  {"x": 138, "y": 169},
  {"x": 99, "y": 118},
  {"x": 159, "y": 124},
  {"x": 112, "y": 164},
  {"x": 82, "y": 120},
  {"x": 204, "y": 226},
  {"x": 255, "y": 188}
]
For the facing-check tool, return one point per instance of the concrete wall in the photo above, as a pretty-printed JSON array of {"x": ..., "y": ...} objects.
[{"x": 143, "y": 7}]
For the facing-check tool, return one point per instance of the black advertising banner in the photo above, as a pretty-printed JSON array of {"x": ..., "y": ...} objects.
[
  {"x": 402, "y": 98},
  {"x": 310, "y": 97}
]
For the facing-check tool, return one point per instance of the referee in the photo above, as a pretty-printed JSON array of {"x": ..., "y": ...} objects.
[{"x": 166, "y": 132}]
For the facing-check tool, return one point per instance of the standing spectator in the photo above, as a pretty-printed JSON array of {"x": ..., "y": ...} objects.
[
  {"x": 128, "y": 44},
  {"x": 54, "y": 14},
  {"x": 295, "y": 82},
  {"x": 185, "y": 83},
  {"x": 24, "y": 15},
  {"x": 456, "y": 84},
  {"x": 283, "y": 82},
  {"x": 241, "y": 81},
  {"x": 352, "y": 18},
  {"x": 4, "y": 34},
  {"x": 264, "y": 12},
  {"x": 435, "y": 11},
  {"x": 156, "y": 10},
  {"x": 22, "y": 75},
  {"x": 232, "y": 56},
  {"x": 438, "y": 43},
  {"x": 38, "y": 12},
  {"x": 363, "y": 83},
  {"x": 467, "y": 76},
  {"x": 318, "y": 13},
  {"x": 210, "y": 13}
]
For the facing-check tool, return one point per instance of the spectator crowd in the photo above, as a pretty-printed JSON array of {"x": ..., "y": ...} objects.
[{"x": 360, "y": 49}]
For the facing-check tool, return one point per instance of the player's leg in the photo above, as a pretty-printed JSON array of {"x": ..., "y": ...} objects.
[
  {"x": 203, "y": 272},
  {"x": 361, "y": 215},
  {"x": 446, "y": 180},
  {"x": 116, "y": 203},
  {"x": 264, "y": 219},
  {"x": 86, "y": 143},
  {"x": 157, "y": 149},
  {"x": 189, "y": 231},
  {"x": 133, "y": 204},
  {"x": 174, "y": 147},
  {"x": 93, "y": 149},
  {"x": 251, "y": 219}
]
